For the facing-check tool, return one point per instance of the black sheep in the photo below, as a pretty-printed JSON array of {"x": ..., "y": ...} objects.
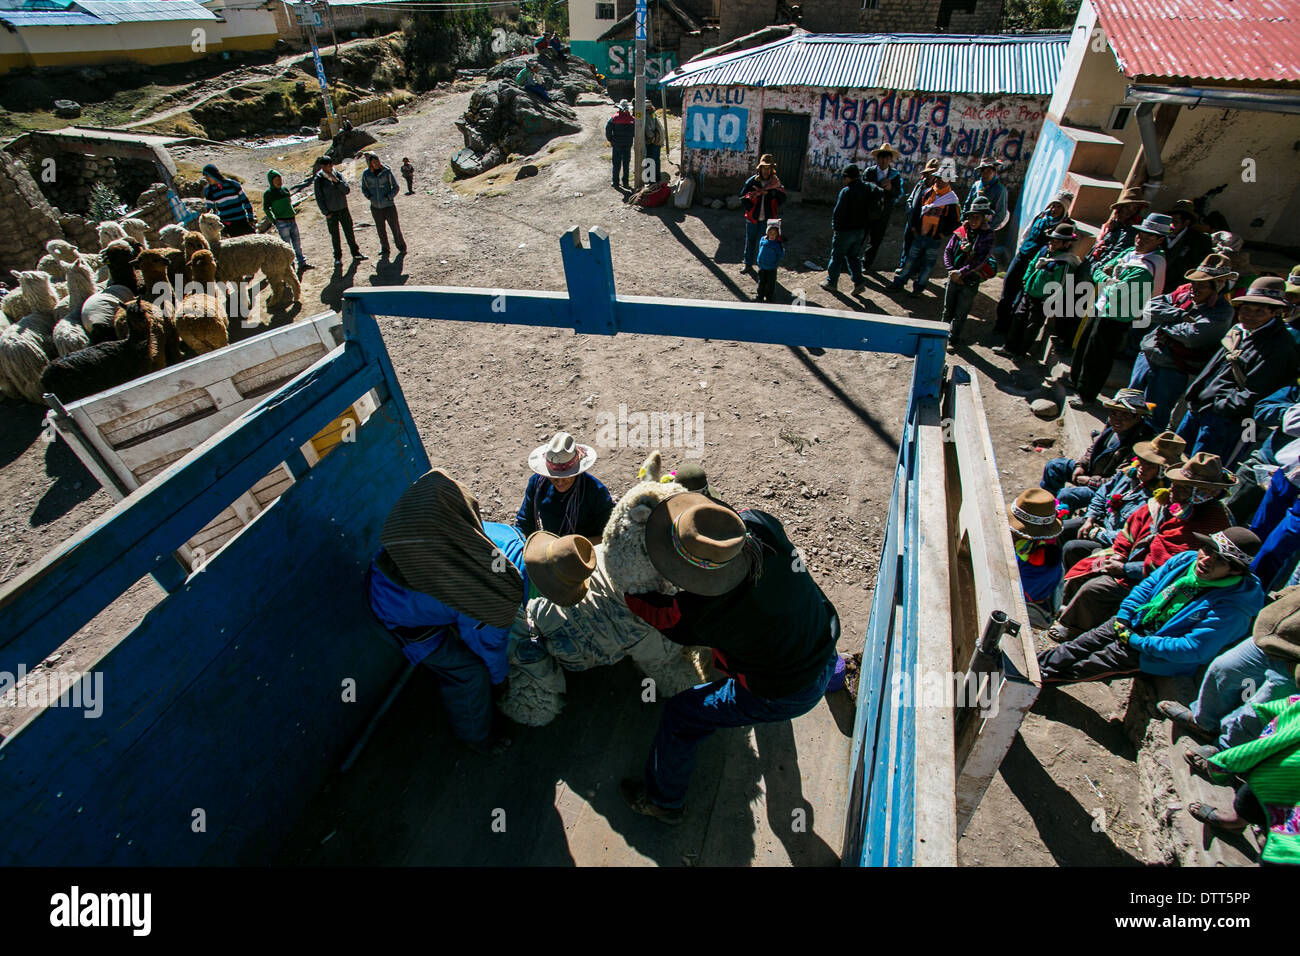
[{"x": 100, "y": 367}]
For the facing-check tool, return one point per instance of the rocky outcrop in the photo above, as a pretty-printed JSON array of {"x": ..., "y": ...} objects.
[{"x": 503, "y": 119}]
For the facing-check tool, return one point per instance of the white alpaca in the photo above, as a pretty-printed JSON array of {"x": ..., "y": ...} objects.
[
  {"x": 59, "y": 257},
  {"x": 247, "y": 255},
  {"x": 109, "y": 232},
  {"x": 69, "y": 335},
  {"x": 136, "y": 229},
  {"x": 27, "y": 346},
  {"x": 601, "y": 629},
  {"x": 171, "y": 235}
]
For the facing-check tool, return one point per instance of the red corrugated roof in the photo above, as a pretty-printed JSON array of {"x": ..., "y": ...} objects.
[{"x": 1244, "y": 40}]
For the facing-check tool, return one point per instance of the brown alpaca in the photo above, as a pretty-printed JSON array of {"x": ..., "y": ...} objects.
[
  {"x": 201, "y": 318},
  {"x": 164, "y": 343}
]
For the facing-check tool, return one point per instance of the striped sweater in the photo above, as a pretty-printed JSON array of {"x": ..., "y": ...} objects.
[{"x": 229, "y": 201}]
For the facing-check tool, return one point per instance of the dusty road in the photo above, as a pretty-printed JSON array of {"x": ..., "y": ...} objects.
[{"x": 811, "y": 439}]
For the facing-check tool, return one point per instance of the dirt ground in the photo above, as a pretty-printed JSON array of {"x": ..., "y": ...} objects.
[{"x": 810, "y": 438}]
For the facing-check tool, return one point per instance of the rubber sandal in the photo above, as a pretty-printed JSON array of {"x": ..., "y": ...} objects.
[
  {"x": 1211, "y": 817},
  {"x": 1181, "y": 715},
  {"x": 1198, "y": 759}
]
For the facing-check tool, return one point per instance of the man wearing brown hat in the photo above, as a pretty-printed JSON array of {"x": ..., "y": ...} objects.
[
  {"x": 1130, "y": 488},
  {"x": 1046, "y": 272},
  {"x": 928, "y": 172},
  {"x": 1186, "y": 246},
  {"x": 1178, "y": 618},
  {"x": 883, "y": 174},
  {"x": 745, "y": 593},
  {"x": 1168, "y": 525},
  {"x": 1256, "y": 357},
  {"x": 1185, "y": 328},
  {"x": 1117, "y": 233},
  {"x": 447, "y": 587}
]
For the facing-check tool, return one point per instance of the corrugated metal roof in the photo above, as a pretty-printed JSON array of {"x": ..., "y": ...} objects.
[
  {"x": 1243, "y": 40},
  {"x": 127, "y": 11},
  {"x": 106, "y": 12},
  {"x": 940, "y": 63},
  {"x": 48, "y": 18}
]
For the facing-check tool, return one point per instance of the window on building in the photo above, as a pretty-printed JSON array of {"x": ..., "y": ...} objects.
[
  {"x": 604, "y": 11},
  {"x": 1119, "y": 117}
]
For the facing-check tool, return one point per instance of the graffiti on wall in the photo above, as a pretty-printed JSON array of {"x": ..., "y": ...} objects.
[
  {"x": 844, "y": 126},
  {"x": 717, "y": 121},
  {"x": 622, "y": 62}
]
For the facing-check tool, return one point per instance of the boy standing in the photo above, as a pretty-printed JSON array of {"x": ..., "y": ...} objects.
[
  {"x": 771, "y": 250},
  {"x": 408, "y": 173},
  {"x": 278, "y": 204}
]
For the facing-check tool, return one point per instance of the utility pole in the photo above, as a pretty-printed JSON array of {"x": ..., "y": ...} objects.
[
  {"x": 638, "y": 107},
  {"x": 310, "y": 16}
]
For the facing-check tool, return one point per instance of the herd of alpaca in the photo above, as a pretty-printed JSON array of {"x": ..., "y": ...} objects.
[{"x": 80, "y": 323}]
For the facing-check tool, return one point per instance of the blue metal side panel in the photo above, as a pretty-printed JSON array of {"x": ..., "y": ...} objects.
[{"x": 229, "y": 696}]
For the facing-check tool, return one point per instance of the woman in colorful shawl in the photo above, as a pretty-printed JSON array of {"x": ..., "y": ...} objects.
[{"x": 1270, "y": 794}]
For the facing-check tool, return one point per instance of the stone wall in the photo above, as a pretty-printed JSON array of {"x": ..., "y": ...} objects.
[
  {"x": 30, "y": 221},
  {"x": 75, "y": 174},
  {"x": 921, "y": 16},
  {"x": 361, "y": 111}
]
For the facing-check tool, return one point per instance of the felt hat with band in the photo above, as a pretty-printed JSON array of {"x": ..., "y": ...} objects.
[
  {"x": 1213, "y": 266},
  {"x": 1293, "y": 280},
  {"x": 1203, "y": 470},
  {"x": 1266, "y": 290},
  {"x": 931, "y": 166},
  {"x": 559, "y": 567},
  {"x": 1131, "y": 400},
  {"x": 1130, "y": 197},
  {"x": 697, "y": 544},
  {"x": 1239, "y": 545},
  {"x": 1185, "y": 208},
  {"x": 886, "y": 148},
  {"x": 981, "y": 206},
  {"x": 1165, "y": 449},
  {"x": 434, "y": 542},
  {"x": 691, "y": 477},
  {"x": 1156, "y": 224},
  {"x": 768, "y": 160},
  {"x": 1064, "y": 230},
  {"x": 1033, "y": 515},
  {"x": 562, "y": 457}
]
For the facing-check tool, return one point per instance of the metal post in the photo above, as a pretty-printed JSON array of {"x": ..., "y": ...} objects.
[
  {"x": 638, "y": 107},
  {"x": 320, "y": 66}
]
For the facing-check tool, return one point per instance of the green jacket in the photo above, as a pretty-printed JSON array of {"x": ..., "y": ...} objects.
[
  {"x": 1123, "y": 293},
  {"x": 277, "y": 202},
  {"x": 1271, "y": 765},
  {"x": 1043, "y": 272}
]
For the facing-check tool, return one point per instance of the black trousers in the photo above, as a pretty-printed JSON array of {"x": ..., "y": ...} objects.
[
  {"x": 1093, "y": 655},
  {"x": 1026, "y": 322},
  {"x": 766, "y": 284},
  {"x": 1101, "y": 344},
  {"x": 875, "y": 239},
  {"x": 333, "y": 222},
  {"x": 240, "y": 227}
]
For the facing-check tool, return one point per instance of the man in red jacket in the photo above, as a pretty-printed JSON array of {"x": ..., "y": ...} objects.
[{"x": 1097, "y": 585}]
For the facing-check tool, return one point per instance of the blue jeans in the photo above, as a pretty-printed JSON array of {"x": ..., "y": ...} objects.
[
  {"x": 288, "y": 230},
  {"x": 1211, "y": 433},
  {"x": 1056, "y": 479},
  {"x": 846, "y": 250},
  {"x": 622, "y": 161},
  {"x": 1277, "y": 524},
  {"x": 1224, "y": 703},
  {"x": 1163, "y": 388},
  {"x": 695, "y": 714},
  {"x": 920, "y": 261},
  {"x": 753, "y": 233}
]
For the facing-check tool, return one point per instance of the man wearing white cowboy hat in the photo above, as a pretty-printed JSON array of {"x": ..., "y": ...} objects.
[
  {"x": 1180, "y": 617},
  {"x": 1124, "y": 284},
  {"x": 772, "y": 629},
  {"x": 883, "y": 174},
  {"x": 561, "y": 496},
  {"x": 1255, "y": 359},
  {"x": 1186, "y": 326}
]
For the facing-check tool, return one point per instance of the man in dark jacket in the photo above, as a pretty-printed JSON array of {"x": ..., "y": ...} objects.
[
  {"x": 849, "y": 229},
  {"x": 1186, "y": 325},
  {"x": 1256, "y": 358},
  {"x": 746, "y": 594},
  {"x": 1186, "y": 245},
  {"x": 331, "y": 191},
  {"x": 620, "y": 133},
  {"x": 883, "y": 174},
  {"x": 761, "y": 198},
  {"x": 1073, "y": 482}
]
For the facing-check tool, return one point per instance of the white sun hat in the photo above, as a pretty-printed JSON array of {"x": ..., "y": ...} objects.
[{"x": 562, "y": 457}]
